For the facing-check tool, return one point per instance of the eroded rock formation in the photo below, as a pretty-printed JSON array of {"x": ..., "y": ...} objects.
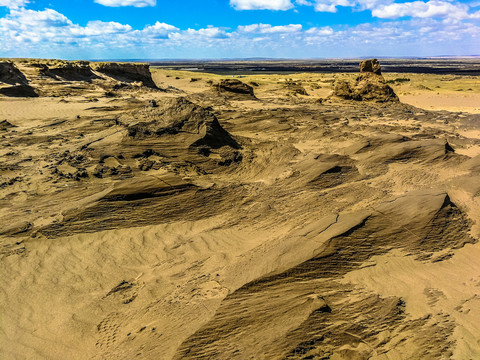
[
  {"x": 234, "y": 88},
  {"x": 126, "y": 72},
  {"x": 10, "y": 74},
  {"x": 180, "y": 115},
  {"x": 29, "y": 78},
  {"x": 15, "y": 84},
  {"x": 72, "y": 71},
  {"x": 370, "y": 85}
]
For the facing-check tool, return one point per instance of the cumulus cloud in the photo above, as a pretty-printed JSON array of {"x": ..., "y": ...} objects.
[
  {"x": 261, "y": 4},
  {"x": 304, "y": 2},
  {"x": 49, "y": 28},
  {"x": 330, "y": 6},
  {"x": 31, "y": 20},
  {"x": 323, "y": 31},
  {"x": 159, "y": 30},
  {"x": 269, "y": 29},
  {"x": 420, "y": 9},
  {"x": 136, "y": 3},
  {"x": 388, "y": 9},
  {"x": 95, "y": 28},
  {"x": 13, "y": 4},
  {"x": 210, "y": 32},
  {"x": 48, "y": 33}
]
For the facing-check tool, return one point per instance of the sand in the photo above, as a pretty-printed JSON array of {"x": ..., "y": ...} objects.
[{"x": 215, "y": 226}]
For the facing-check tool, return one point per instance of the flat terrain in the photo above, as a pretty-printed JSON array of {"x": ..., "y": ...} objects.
[
  {"x": 438, "y": 66},
  {"x": 427, "y": 91},
  {"x": 213, "y": 224}
]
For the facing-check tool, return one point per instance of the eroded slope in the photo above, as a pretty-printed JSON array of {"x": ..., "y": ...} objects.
[{"x": 201, "y": 224}]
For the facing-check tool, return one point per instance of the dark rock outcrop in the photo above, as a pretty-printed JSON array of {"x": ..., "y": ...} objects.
[
  {"x": 126, "y": 72},
  {"x": 72, "y": 71},
  {"x": 40, "y": 73},
  {"x": 371, "y": 66},
  {"x": 15, "y": 84},
  {"x": 9, "y": 74},
  {"x": 179, "y": 115},
  {"x": 343, "y": 89},
  {"x": 22, "y": 90},
  {"x": 296, "y": 88},
  {"x": 5, "y": 125},
  {"x": 370, "y": 85},
  {"x": 374, "y": 89},
  {"x": 235, "y": 88}
]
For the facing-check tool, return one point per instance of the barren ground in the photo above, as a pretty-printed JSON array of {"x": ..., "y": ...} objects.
[{"x": 305, "y": 229}]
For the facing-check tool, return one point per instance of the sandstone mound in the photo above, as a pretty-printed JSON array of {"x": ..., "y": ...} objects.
[
  {"x": 16, "y": 84},
  {"x": 144, "y": 188},
  {"x": 324, "y": 171},
  {"x": 296, "y": 88},
  {"x": 179, "y": 115},
  {"x": 23, "y": 90},
  {"x": 126, "y": 72},
  {"x": 9, "y": 74},
  {"x": 371, "y": 66},
  {"x": 60, "y": 78},
  {"x": 234, "y": 88},
  {"x": 71, "y": 71},
  {"x": 370, "y": 85},
  {"x": 5, "y": 125}
]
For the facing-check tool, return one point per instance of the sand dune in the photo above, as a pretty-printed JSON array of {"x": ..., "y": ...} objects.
[{"x": 156, "y": 217}]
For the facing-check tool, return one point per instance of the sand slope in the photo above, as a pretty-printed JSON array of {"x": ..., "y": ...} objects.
[{"x": 215, "y": 226}]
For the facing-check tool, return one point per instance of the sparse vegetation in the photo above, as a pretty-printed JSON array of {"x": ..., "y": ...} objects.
[{"x": 398, "y": 81}]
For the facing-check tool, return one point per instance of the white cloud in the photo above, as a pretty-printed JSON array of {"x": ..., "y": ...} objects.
[
  {"x": 210, "y": 32},
  {"x": 269, "y": 29},
  {"x": 159, "y": 30},
  {"x": 136, "y": 3},
  {"x": 330, "y": 5},
  {"x": 47, "y": 33},
  {"x": 261, "y": 4},
  {"x": 13, "y": 4},
  {"x": 95, "y": 28},
  {"x": 388, "y": 9},
  {"x": 208, "y": 35},
  {"x": 420, "y": 9},
  {"x": 323, "y": 31},
  {"x": 48, "y": 28},
  {"x": 31, "y": 20},
  {"x": 304, "y": 2}
]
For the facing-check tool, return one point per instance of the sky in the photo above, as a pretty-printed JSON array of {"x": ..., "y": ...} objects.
[{"x": 227, "y": 29}]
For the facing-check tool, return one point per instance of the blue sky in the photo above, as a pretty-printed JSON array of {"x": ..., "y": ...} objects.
[{"x": 194, "y": 29}]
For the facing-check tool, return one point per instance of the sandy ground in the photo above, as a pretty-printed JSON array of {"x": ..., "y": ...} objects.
[
  {"x": 227, "y": 226},
  {"x": 450, "y": 102}
]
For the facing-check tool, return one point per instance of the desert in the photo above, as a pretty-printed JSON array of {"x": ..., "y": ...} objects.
[{"x": 153, "y": 212}]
